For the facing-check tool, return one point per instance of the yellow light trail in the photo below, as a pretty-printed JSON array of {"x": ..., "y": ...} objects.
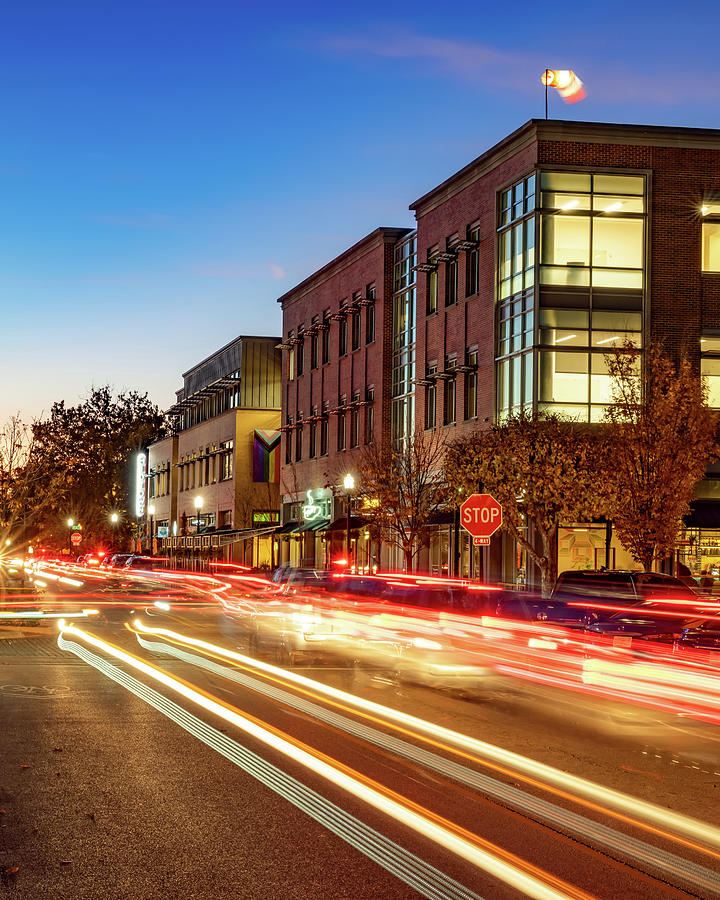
[
  {"x": 497, "y": 862},
  {"x": 692, "y": 833}
]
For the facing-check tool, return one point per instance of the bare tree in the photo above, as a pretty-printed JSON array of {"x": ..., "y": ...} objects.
[
  {"x": 543, "y": 472},
  {"x": 401, "y": 488},
  {"x": 661, "y": 438}
]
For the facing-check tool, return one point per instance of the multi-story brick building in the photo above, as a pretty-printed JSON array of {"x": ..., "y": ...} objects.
[
  {"x": 342, "y": 387},
  {"x": 558, "y": 243},
  {"x": 213, "y": 486}
]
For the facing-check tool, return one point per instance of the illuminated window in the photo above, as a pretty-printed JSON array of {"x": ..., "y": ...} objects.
[
  {"x": 710, "y": 236},
  {"x": 710, "y": 368},
  {"x": 291, "y": 356},
  {"x": 592, "y": 230}
]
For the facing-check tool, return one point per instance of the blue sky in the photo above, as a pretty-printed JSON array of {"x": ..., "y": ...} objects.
[{"x": 168, "y": 169}]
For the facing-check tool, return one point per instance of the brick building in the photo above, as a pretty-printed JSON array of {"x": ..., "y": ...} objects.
[
  {"x": 341, "y": 352},
  {"x": 213, "y": 486},
  {"x": 555, "y": 245}
]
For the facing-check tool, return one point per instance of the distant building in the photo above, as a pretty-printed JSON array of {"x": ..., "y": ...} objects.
[
  {"x": 527, "y": 266},
  {"x": 213, "y": 487}
]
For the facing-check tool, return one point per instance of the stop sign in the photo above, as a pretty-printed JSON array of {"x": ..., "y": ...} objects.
[
  {"x": 76, "y": 537},
  {"x": 481, "y": 515}
]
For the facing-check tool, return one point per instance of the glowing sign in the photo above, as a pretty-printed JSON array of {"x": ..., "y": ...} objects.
[
  {"x": 318, "y": 506},
  {"x": 140, "y": 486}
]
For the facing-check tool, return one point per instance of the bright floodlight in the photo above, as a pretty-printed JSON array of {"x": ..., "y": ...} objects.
[
  {"x": 7, "y": 542},
  {"x": 151, "y": 510},
  {"x": 71, "y": 522},
  {"x": 114, "y": 517},
  {"x": 349, "y": 482},
  {"x": 198, "y": 501}
]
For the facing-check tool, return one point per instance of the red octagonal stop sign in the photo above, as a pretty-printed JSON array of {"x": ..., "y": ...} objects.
[{"x": 481, "y": 515}]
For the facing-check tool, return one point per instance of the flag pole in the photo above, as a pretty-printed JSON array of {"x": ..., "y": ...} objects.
[{"x": 546, "y": 92}]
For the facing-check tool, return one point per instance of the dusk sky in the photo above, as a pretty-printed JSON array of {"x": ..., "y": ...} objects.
[{"x": 168, "y": 169}]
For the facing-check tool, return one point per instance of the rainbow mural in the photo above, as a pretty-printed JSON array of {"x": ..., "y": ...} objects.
[{"x": 266, "y": 456}]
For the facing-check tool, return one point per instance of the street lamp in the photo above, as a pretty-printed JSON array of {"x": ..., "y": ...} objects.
[
  {"x": 198, "y": 501},
  {"x": 71, "y": 522},
  {"x": 114, "y": 518},
  {"x": 349, "y": 485},
  {"x": 151, "y": 513}
]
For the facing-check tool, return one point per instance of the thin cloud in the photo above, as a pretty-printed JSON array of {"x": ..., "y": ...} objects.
[
  {"x": 277, "y": 271},
  {"x": 486, "y": 66}
]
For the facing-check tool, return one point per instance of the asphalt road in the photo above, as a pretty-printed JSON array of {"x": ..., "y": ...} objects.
[{"x": 115, "y": 784}]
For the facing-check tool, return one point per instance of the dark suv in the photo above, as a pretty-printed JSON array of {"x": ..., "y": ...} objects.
[{"x": 582, "y": 598}]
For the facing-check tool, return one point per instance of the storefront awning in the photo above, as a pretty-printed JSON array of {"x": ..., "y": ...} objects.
[
  {"x": 315, "y": 525},
  {"x": 288, "y": 528},
  {"x": 703, "y": 514},
  {"x": 341, "y": 524}
]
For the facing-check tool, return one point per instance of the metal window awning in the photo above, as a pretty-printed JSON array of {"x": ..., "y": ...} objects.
[
  {"x": 341, "y": 523},
  {"x": 287, "y": 528},
  {"x": 203, "y": 393}
]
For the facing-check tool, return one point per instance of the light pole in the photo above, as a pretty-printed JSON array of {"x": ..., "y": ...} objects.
[
  {"x": 349, "y": 485},
  {"x": 198, "y": 501},
  {"x": 151, "y": 513}
]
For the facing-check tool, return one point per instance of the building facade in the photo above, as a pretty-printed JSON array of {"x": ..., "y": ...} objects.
[
  {"x": 551, "y": 248},
  {"x": 213, "y": 486},
  {"x": 347, "y": 381}
]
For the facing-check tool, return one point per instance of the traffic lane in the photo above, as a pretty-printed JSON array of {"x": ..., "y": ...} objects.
[
  {"x": 514, "y": 833},
  {"x": 102, "y": 795},
  {"x": 644, "y": 751},
  {"x": 662, "y": 759}
]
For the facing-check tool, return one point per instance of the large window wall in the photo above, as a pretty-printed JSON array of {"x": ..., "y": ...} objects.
[
  {"x": 516, "y": 294},
  {"x": 583, "y": 298}
]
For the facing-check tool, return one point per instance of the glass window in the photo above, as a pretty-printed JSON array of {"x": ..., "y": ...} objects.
[
  {"x": 471, "y": 380},
  {"x": 710, "y": 369},
  {"x": 291, "y": 357},
  {"x": 324, "y": 431},
  {"x": 564, "y": 318},
  {"x": 341, "y": 431},
  {"x": 432, "y": 292},
  {"x": 565, "y": 181},
  {"x": 600, "y": 383},
  {"x": 313, "y": 434},
  {"x": 710, "y": 345},
  {"x": 563, "y": 377},
  {"x": 566, "y": 240},
  {"x": 314, "y": 344},
  {"x": 342, "y": 331},
  {"x": 618, "y": 243},
  {"x": 300, "y": 357},
  {"x": 431, "y": 401},
  {"x": 565, "y": 276},
  {"x": 562, "y": 200},
  {"x": 370, "y": 323},
  {"x": 326, "y": 337},
  {"x": 614, "y": 204},
  {"x": 619, "y": 184},
  {"x": 711, "y": 246},
  {"x": 369, "y": 416},
  {"x": 298, "y": 440},
  {"x": 618, "y": 278},
  {"x": 451, "y": 282},
  {"x": 355, "y": 330},
  {"x": 449, "y": 402},
  {"x": 472, "y": 265}
]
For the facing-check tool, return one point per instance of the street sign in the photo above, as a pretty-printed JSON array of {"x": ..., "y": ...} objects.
[
  {"x": 76, "y": 537},
  {"x": 481, "y": 516}
]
